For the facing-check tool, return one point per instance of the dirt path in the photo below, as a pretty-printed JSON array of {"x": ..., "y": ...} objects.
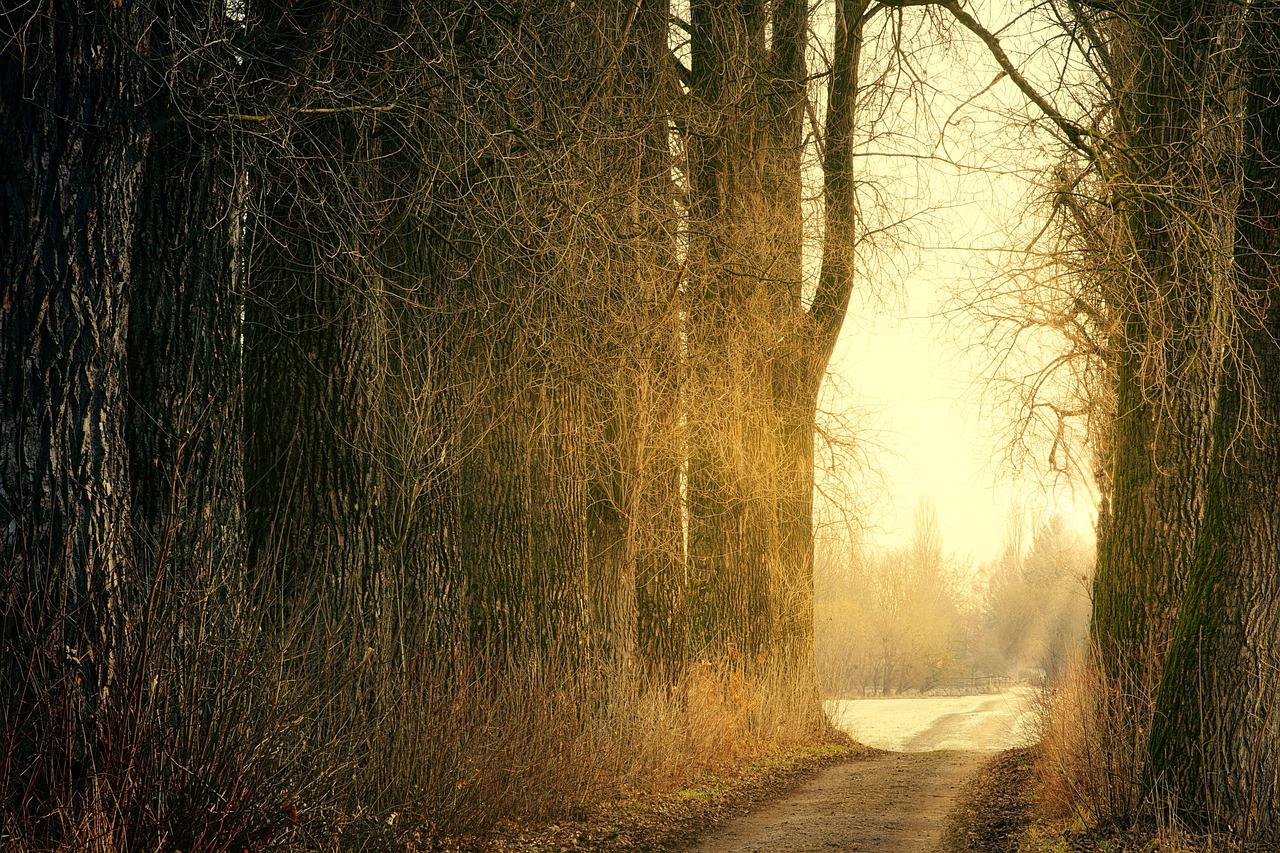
[{"x": 896, "y": 802}]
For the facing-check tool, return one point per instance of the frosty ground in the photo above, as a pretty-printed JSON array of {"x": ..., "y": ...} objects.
[{"x": 923, "y": 723}]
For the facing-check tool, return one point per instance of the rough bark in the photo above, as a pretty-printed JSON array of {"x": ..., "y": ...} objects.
[
  {"x": 1172, "y": 190},
  {"x": 1215, "y": 741},
  {"x": 315, "y": 313},
  {"x": 71, "y": 96},
  {"x": 734, "y": 290},
  {"x": 634, "y": 515},
  {"x": 184, "y": 369},
  {"x": 311, "y": 379},
  {"x": 530, "y": 205}
]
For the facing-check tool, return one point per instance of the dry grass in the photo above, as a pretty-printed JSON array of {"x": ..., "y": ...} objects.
[
  {"x": 1093, "y": 748},
  {"x": 261, "y": 736},
  {"x": 1088, "y": 775}
]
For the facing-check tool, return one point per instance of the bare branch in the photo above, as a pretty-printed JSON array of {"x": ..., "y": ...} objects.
[{"x": 1079, "y": 137}]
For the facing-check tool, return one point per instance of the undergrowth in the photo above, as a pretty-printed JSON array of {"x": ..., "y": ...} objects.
[
  {"x": 266, "y": 731},
  {"x": 1087, "y": 785}
]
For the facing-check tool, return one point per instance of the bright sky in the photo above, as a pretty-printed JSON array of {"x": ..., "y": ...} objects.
[
  {"x": 919, "y": 399},
  {"x": 899, "y": 364}
]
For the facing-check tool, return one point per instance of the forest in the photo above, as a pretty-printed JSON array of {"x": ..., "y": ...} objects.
[{"x": 409, "y": 413}]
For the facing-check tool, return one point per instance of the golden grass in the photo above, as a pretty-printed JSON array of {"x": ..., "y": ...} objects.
[
  {"x": 374, "y": 750},
  {"x": 1088, "y": 775}
]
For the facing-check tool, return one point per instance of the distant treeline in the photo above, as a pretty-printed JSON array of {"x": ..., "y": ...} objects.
[{"x": 915, "y": 619}]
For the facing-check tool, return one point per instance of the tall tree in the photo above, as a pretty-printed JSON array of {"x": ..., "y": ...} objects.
[
  {"x": 638, "y": 589},
  {"x": 811, "y": 332},
  {"x": 731, "y": 291},
  {"x": 757, "y": 352},
  {"x": 1170, "y": 184},
  {"x": 74, "y": 109},
  {"x": 1215, "y": 738},
  {"x": 184, "y": 418},
  {"x": 1159, "y": 236},
  {"x": 313, "y": 317}
]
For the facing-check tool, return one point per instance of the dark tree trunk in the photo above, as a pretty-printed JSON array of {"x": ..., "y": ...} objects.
[
  {"x": 801, "y": 365},
  {"x": 1174, "y": 128},
  {"x": 185, "y": 431},
  {"x": 316, "y": 313},
  {"x": 71, "y": 82},
  {"x": 794, "y": 395},
  {"x": 185, "y": 381},
  {"x": 733, "y": 292},
  {"x": 1157, "y": 468},
  {"x": 757, "y": 356},
  {"x": 522, "y": 523},
  {"x": 311, "y": 382},
  {"x": 525, "y": 300},
  {"x": 636, "y": 562},
  {"x": 1215, "y": 739}
]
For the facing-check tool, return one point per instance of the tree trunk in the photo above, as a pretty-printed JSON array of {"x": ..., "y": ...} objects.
[
  {"x": 794, "y": 395},
  {"x": 757, "y": 355},
  {"x": 1173, "y": 193},
  {"x": 800, "y": 365},
  {"x": 632, "y": 333},
  {"x": 185, "y": 438},
  {"x": 311, "y": 383},
  {"x": 185, "y": 381},
  {"x": 71, "y": 82},
  {"x": 740, "y": 271},
  {"x": 1215, "y": 741}
]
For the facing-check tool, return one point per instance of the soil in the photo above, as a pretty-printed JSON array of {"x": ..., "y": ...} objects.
[
  {"x": 951, "y": 781},
  {"x": 667, "y": 822},
  {"x": 995, "y": 808},
  {"x": 896, "y": 802},
  {"x": 846, "y": 799}
]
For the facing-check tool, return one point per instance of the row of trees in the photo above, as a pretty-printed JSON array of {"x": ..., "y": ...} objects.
[
  {"x": 355, "y": 352},
  {"x": 436, "y": 343},
  {"x": 891, "y": 622}
]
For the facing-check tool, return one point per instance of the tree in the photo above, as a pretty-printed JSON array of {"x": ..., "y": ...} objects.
[
  {"x": 76, "y": 104},
  {"x": 1185, "y": 235},
  {"x": 1214, "y": 738},
  {"x": 1037, "y": 608},
  {"x": 638, "y": 579},
  {"x": 185, "y": 381},
  {"x": 757, "y": 352},
  {"x": 1170, "y": 244},
  {"x": 1150, "y": 211},
  {"x": 734, "y": 294},
  {"x": 122, "y": 478},
  {"x": 361, "y": 344}
]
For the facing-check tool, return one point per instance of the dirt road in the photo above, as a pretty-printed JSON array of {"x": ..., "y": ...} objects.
[{"x": 895, "y": 802}]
